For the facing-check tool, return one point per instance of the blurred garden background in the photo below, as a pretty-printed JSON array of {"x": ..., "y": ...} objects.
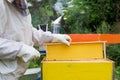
[{"x": 80, "y": 16}]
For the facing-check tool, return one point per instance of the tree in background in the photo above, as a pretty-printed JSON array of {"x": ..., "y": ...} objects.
[
  {"x": 42, "y": 11},
  {"x": 85, "y": 16}
]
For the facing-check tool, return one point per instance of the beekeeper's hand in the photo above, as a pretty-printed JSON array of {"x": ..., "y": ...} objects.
[
  {"x": 62, "y": 38},
  {"x": 27, "y": 53}
]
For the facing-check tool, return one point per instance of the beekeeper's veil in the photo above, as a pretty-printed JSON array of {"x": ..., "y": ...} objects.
[{"x": 20, "y": 5}]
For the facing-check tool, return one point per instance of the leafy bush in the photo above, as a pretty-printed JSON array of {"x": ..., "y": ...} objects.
[
  {"x": 89, "y": 14},
  {"x": 37, "y": 62},
  {"x": 117, "y": 72},
  {"x": 113, "y": 53}
]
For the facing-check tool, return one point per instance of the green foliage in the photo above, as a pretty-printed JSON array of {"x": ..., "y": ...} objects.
[
  {"x": 41, "y": 12},
  {"x": 89, "y": 14},
  {"x": 117, "y": 72},
  {"x": 103, "y": 28},
  {"x": 37, "y": 62},
  {"x": 113, "y": 52}
]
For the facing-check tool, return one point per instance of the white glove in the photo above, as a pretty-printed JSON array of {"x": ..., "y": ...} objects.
[
  {"x": 62, "y": 38},
  {"x": 27, "y": 53}
]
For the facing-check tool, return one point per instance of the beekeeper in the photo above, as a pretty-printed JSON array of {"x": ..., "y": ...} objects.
[{"x": 17, "y": 37}]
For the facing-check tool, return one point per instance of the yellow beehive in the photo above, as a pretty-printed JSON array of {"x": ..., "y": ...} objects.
[
  {"x": 80, "y": 61},
  {"x": 77, "y": 70},
  {"x": 76, "y": 51}
]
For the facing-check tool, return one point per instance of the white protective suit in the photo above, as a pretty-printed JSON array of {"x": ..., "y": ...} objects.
[{"x": 16, "y": 34}]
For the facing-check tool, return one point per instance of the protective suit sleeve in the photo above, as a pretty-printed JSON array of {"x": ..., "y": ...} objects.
[
  {"x": 40, "y": 37},
  {"x": 9, "y": 49}
]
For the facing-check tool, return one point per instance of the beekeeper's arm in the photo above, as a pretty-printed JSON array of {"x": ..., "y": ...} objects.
[
  {"x": 10, "y": 49},
  {"x": 40, "y": 37}
]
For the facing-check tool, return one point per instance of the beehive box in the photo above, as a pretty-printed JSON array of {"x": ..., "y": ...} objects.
[
  {"x": 78, "y": 70},
  {"x": 80, "y": 61},
  {"x": 76, "y": 51}
]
